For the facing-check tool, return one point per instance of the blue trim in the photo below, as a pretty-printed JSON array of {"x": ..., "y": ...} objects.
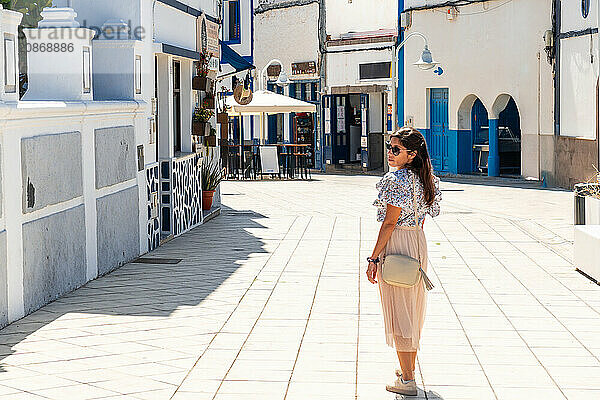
[
  {"x": 187, "y": 9},
  {"x": 460, "y": 151},
  {"x": 180, "y": 52},
  {"x": 494, "y": 155},
  {"x": 251, "y": 31},
  {"x": 400, "y": 72}
]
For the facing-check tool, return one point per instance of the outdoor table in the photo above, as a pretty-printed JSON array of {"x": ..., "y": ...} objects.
[{"x": 291, "y": 156}]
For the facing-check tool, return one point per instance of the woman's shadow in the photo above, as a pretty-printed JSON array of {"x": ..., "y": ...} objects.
[{"x": 421, "y": 395}]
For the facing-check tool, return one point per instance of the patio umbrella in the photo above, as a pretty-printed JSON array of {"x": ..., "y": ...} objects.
[{"x": 265, "y": 102}]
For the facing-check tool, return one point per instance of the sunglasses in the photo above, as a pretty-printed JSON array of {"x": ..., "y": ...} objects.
[{"x": 395, "y": 149}]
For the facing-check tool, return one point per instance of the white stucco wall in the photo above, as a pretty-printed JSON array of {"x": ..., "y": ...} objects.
[
  {"x": 94, "y": 14},
  {"x": 578, "y": 74},
  {"x": 578, "y": 87},
  {"x": 288, "y": 34},
  {"x": 486, "y": 53},
  {"x": 572, "y": 18},
  {"x": 343, "y": 68},
  {"x": 360, "y": 15},
  {"x": 35, "y": 119},
  {"x": 174, "y": 27}
]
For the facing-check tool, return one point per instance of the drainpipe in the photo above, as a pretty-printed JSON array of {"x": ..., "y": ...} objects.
[
  {"x": 399, "y": 71},
  {"x": 539, "y": 122},
  {"x": 322, "y": 73}
]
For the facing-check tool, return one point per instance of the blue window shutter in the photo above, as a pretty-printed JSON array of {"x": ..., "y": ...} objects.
[
  {"x": 270, "y": 87},
  {"x": 293, "y": 90},
  {"x": 302, "y": 91},
  {"x": 313, "y": 91}
]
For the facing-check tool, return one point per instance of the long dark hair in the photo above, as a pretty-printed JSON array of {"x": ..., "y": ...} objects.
[{"x": 413, "y": 140}]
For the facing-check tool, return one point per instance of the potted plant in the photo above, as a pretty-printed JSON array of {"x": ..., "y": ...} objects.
[
  {"x": 201, "y": 80},
  {"x": 222, "y": 118},
  {"x": 200, "y": 125},
  {"x": 211, "y": 139},
  {"x": 209, "y": 102},
  {"x": 212, "y": 175}
]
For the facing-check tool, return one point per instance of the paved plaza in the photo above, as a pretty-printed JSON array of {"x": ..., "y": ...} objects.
[{"x": 270, "y": 301}]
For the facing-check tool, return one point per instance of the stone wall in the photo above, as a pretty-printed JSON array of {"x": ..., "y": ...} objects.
[
  {"x": 115, "y": 155},
  {"x": 117, "y": 215},
  {"x": 54, "y": 257},
  {"x": 574, "y": 161},
  {"x": 51, "y": 180}
]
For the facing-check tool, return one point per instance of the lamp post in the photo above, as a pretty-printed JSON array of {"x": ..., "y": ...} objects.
[
  {"x": 425, "y": 62},
  {"x": 282, "y": 80}
]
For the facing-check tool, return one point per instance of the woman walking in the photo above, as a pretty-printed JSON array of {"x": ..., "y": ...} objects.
[{"x": 405, "y": 197}]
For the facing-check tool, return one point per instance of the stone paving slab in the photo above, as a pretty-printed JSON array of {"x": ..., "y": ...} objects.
[{"x": 271, "y": 302}]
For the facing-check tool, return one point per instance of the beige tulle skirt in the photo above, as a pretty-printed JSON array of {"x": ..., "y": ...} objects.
[{"x": 404, "y": 308}]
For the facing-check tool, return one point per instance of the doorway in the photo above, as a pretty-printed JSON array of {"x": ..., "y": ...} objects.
[
  {"x": 479, "y": 136},
  {"x": 176, "y": 106},
  {"x": 509, "y": 139},
  {"x": 438, "y": 113}
]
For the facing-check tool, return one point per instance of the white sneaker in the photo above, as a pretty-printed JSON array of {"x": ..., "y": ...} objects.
[{"x": 400, "y": 386}]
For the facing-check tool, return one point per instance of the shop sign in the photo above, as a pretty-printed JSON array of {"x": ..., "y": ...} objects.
[
  {"x": 208, "y": 40},
  {"x": 304, "y": 68}
]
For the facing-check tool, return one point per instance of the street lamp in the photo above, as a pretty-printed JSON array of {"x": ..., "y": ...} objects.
[
  {"x": 281, "y": 80},
  {"x": 426, "y": 62}
]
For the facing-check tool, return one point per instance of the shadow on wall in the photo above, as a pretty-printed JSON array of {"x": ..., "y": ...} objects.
[{"x": 210, "y": 254}]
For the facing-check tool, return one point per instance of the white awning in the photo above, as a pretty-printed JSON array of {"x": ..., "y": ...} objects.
[{"x": 265, "y": 102}]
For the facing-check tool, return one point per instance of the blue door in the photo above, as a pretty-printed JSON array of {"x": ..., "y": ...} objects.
[{"x": 438, "y": 137}]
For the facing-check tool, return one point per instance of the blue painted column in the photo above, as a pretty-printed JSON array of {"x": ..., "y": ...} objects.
[
  {"x": 494, "y": 155},
  {"x": 400, "y": 74}
]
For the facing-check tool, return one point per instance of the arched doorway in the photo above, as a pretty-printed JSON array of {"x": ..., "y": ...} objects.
[
  {"x": 479, "y": 136},
  {"x": 509, "y": 139}
]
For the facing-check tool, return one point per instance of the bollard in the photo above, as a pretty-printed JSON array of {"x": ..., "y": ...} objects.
[
  {"x": 580, "y": 191},
  {"x": 579, "y": 209}
]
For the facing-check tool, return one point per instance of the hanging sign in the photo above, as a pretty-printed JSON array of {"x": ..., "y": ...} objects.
[{"x": 208, "y": 40}]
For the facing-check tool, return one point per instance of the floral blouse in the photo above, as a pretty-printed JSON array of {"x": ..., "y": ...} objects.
[{"x": 396, "y": 188}]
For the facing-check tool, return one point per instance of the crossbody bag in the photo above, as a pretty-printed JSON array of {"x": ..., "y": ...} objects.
[{"x": 402, "y": 270}]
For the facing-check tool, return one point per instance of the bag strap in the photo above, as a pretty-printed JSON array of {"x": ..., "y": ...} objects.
[
  {"x": 426, "y": 281},
  {"x": 415, "y": 200}
]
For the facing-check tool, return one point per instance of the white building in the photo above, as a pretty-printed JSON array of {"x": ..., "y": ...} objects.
[
  {"x": 288, "y": 31},
  {"x": 82, "y": 167},
  {"x": 511, "y": 78},
  {"x": 237, "y": 58},
  {"x": 168, "y": 38},
  {"x": 494, "y": 78},
  {"x": 575, "y": 143},
  {"x": 361, "y": 37}
]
